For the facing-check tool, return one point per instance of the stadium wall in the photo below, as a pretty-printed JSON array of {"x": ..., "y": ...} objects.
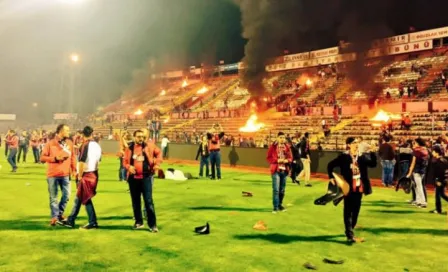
[{"x": 240, "y": 156}]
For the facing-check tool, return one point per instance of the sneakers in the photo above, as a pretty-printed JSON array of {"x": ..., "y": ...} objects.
[
  {"x": 353, "y": 240},
  {"x": 422, "y": 206},
  {"x": 89, "y": 226},
  {"x": 66, "y": 223},
  {"x": 296, "y": 182},
  {"x": 308, "y": 185},
  {"x": 275, "y": 211},
  {"x": 154, "y": 230},
  {"x": 282, "y": 209},
  {"x": 54, "y": 221},
  {"x": 138, "y": 226}
]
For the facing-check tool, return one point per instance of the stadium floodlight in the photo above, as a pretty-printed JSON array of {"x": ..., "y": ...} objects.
[{"x": 74, "y": 58}]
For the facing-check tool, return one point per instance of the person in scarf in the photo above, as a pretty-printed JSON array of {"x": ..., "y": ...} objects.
[
  {"x": 214, "y": 137},
  {"x": 417, "y": 170},
  {"x": 142, "y": 161},
  {"x": 77, "y": 142},
  {"x": 354, "y": 169},
  {"x": 60, "y": 157},
  {"x": 34, "y": 143},
  {"x": 204, "y": 153},
  {"x": 279, "y": 157},
  {"x": 87, "y": 180}
]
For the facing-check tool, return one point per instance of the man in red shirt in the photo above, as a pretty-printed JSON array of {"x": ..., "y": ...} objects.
[
  {"x": 142, "y": 160},
  {"x": 279, "y": 158},
  {"x": 60, "y": 157},
  {"x": 12, "y": 141}
]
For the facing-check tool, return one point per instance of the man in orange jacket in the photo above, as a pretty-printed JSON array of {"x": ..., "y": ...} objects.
[
  {"x": 60, "y": 157},
  {"x": 141, "y": 161}
]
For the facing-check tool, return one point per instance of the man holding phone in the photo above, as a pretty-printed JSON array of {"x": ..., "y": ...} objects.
[
  {"x": 279, "y": 158},
  {"x": 60, "y": 157}
]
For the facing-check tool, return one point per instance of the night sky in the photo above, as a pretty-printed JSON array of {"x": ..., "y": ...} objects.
[{"x": 116, "y": 40}]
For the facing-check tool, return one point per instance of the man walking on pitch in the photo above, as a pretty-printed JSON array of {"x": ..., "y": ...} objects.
[
  {"x": 89, "y": 158},
  {"x": 59, "y": 155},
  {"x": 354, "y": 169},
  {"x": 142, "y": 160},
  {"x": 279, "y": 158},
  {"x": 305, "y": 157},
  {"x": 12, "y": 141}
]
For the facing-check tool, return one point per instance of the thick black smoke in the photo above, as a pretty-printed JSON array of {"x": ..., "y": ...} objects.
[
  {"x": 302, "y": 25},
  {"x": 361, "y": 25}
]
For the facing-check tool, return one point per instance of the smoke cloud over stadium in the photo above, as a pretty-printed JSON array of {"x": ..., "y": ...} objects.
[{"x": 299, "y": 25}]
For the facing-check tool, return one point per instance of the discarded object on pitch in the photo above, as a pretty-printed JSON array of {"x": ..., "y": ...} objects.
[
  {"x": 247, "y": 194},
  {"x": 160, "y": 174},
  {"x": 337, "y": 189},
  {"x": 309, "y": 266},
  {"x": 330, "y": 261},
  {"x": 404, "y": 183},
  {"x": 203, "y": 229},
  {"x": 260, "y": 225}
]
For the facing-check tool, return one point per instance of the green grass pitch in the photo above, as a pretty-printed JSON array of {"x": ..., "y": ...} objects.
[{"x": 398, "y": 237}]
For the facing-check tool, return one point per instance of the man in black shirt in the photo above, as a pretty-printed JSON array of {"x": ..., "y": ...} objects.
[
  {"x": 354, "y": 169},
  {"x": 441, "y": 177}
]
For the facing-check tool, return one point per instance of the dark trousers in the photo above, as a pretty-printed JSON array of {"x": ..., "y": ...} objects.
[
  {"x": 165, "y": 152},
  {"x": 24, "y": 149},
  {"x": 215, "y": 162},
  {"x": 89, "y": 209},
  {"x": 6, "y": 150},
  {"x": 204, "y": 162},
  {"x": 295, "y": 170},
  {"x": 36, "y": 154},
  {"x": 352, "y": 206},
  {"x": 139, "y": 187},
  {"x": 440, "y": 193}
]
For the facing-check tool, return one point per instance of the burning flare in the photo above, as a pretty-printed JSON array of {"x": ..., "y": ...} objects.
[
  {"x": 163, "y": 92},
  {"x": 252, "y": 125},
  {"x": 308, "y": 82},
  {"x": 202, "y": 90},
  {"x": 138, "y": 112},
  {"x": 184, "y": 84},
  {"x": 384, "y": 117}
]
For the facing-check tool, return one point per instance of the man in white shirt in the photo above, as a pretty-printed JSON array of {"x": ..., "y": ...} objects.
[
  {"x": 164, "y": 145},
  {"x": 87, "y": 180}
]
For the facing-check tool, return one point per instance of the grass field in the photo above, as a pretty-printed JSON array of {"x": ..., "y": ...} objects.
[{"x": 398, "y": 237}]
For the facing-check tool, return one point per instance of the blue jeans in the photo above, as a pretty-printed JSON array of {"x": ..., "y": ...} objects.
[
  {"x": 122, "y": 175},
  {"x": 278, "y": 188},
  {"x": 89, "y": 208},
  {"x": 57, "y": 209},
  {"x": 388, "y": 171},
  {"x": 12, "y": 157},
  {"x": 215, "y": 161},
  {"x": 36, "y": 154},
  {"x": 204, "y": 162}
]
